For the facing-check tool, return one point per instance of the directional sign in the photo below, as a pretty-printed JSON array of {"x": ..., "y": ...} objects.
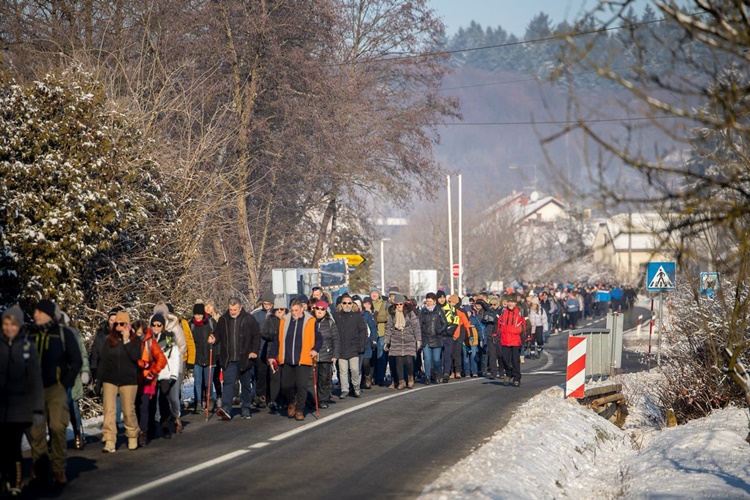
[
  {"x": 709, "y": 284},
  {"x": 351, "y": 259},
  {"x": 660, "y": 276}
]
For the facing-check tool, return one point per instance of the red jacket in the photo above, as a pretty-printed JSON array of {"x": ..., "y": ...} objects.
[
  {"x": 151, "y": 363},
  {"x": 510, "y": 325}
]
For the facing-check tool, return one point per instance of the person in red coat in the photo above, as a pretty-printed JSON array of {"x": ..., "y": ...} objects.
[{"x": 510, "y": 325}]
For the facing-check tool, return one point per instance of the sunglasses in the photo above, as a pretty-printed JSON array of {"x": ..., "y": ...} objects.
[
  {"x": 120, "y": 324},
  {"x": 347, "y": 303},
  {"x": 157, "y": 325},
  {"x": 401, "y": 304},
  {"x": 321, "y": 308}
]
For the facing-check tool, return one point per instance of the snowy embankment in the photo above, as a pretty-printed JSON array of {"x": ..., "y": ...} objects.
[{"x": 555, "y": 448}]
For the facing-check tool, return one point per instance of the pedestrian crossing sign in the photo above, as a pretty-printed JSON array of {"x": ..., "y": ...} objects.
[{"x": 660, "y": 276}]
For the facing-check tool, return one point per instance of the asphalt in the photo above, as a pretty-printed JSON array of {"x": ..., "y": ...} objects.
[{"x": 387, "y": 443}]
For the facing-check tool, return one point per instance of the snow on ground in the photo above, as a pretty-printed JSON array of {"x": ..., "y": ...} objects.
[{"x": 556, "y": 448}]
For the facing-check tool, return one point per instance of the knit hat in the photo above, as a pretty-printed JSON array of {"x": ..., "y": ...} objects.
[
  {"x": 267, "y": 296},
  {"x": 278, "y": 302},
  {"x": 375, "y": 289},
  {"x": 303, "y": 298},
  {"x": 440, "y": 293},
  {"x": 535, "y": 300},
  {"x": 512, "y": 298},
  {"x": 15, "y": 313},
  {"x": 398, "y": 298},
  {"x": 47, "y": 307},
  {"x": 393, "y": 289},
  {"x": 158, "y": 318},
  {"x": 465, "y": 301},
  {"x": 453, "y": 299},
  {"x": 199, "y": 309},
  {"x": 122, "y": 317},
  {"x": 367, "y": 299},
  {"x": 322, "y": 303}
]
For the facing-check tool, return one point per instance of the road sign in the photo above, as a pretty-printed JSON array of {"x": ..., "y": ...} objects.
[
  {"x": 709, "y": 284},
  {"x": 456, "y": 270},
  {"x": 351, "y": 259},
  {"x": 660, "y": 276}
]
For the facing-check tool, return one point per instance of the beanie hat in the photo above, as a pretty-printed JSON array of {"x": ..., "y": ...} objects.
[
  {"x": 199, "y": 309},
  {"x": 393, "y": 289},
  {"x": 302, "y": 298},
  {"x": 367, "y": 299},
  {"x": 47, "y": 307},
  {"x": 535, "y": 300},
  {"x": 440, "y": 293},
  {"x": 398, "y": 298},
  {"x": 267, "y": 296},
  {"x": 375, "y": 289},
  {"x": 465, "y": 301},
  {"x": 278, "y": 303},
  {"x": 122, "y": 317},
  {"x": 322, "y": 303},
  {"x": 14, "y": 313},
  {"x": 453, "y": 299},
  {"x": 157, "y": 318}
]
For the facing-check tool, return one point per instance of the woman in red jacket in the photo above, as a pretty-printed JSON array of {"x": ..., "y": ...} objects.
[
  {"x": 511, "y": 324},
  {"x": 151, "y": 363}
]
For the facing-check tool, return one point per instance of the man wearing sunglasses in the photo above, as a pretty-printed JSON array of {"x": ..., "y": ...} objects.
[{"x": 352, "y": 338}]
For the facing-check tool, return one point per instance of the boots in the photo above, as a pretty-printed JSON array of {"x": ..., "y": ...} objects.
[
  {"x": 80, "y": 442},
  {"x": 368, "y": 382},
  {"x": 410, "y": 383},
  {"x": 401, "y": 385},
  {"x": 178, "y": 426}
]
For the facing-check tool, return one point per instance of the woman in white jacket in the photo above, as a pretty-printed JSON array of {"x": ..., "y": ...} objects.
[
  {"x": 168, "y": 376},
  {"x": 538, "y": 319}
]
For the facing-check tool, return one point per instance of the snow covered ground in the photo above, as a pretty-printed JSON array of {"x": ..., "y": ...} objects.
[{"x": 555, "y": 448}]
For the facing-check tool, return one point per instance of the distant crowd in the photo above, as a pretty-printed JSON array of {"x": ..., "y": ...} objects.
[{"x": 291, "y": 358}]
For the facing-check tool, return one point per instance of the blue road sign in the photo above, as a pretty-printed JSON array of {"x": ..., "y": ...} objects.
[
  {"x": 709, "y": 284},
  {"x": 660, "y": 276}
]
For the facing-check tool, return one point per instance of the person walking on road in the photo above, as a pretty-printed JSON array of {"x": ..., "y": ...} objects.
[
  {"x": 352, "y": 336},
  {"x": 432, "y": 325},
  {"x": 511, "y": 325},
  {"x": 329, "y": 351},
  {"x": 402, "y": 339}
]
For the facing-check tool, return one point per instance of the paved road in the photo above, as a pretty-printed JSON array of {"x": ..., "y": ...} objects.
[{"x": 387, "y": 443}]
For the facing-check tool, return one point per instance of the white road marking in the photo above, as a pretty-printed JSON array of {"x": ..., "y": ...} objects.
[
  {"x": 541, "y": 373},
  {"x": 255, "y": 446}
]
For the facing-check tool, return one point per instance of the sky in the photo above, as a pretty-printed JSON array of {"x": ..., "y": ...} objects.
[{"x": 512, "y": 15}]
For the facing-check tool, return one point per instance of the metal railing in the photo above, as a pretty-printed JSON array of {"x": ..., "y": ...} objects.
[{"x": 603, "y": 348}]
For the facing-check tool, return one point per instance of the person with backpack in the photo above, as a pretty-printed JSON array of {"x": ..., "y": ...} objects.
[
  {"x": 151, "y": 363},
  {"x": 61, "y": 361},
  {"x": 21, "y": 396},
  {"x": 180, "y": 331},
  {"x": 168, "y": 376},
  {"x": 201, "y": 329},
  {"x": 75, "y": 393}
]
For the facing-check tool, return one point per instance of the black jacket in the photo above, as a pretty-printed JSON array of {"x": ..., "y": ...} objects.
[
  {"x": 330, "y": 334},
  {"x": 433, "y": 325},
  {"x": 352, "y": 333},
  {"x": 21, "y": 391},
  {"x": 200, "y": 338},
  {"x": 236, "y": 338},
  {"x": 59, "y": 358},
  {"x": 118, "y": 364}
]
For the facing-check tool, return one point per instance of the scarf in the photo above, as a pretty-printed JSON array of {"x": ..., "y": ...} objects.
[{"x": 399, "y": 321}]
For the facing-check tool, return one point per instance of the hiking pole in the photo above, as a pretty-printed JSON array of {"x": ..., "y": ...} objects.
[
  {"x": 210, "y": 380},
  {"x": 315, "y": 386}
]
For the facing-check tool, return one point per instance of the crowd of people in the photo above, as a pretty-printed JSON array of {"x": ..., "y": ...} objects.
[{"x": 287, "y": 357}]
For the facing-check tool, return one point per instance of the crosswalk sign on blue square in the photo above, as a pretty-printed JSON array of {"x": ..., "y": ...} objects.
[{"x": 660, "y": 276}]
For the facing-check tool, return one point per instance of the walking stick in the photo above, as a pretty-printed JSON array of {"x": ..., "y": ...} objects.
[
  {"x": 210, "y": 380},
  {"x": 315, "y": 386}
]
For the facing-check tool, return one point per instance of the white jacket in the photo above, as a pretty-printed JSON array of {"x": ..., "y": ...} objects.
[
  {"x": 173, "y": 325},
  {"x": 174, "y": 363}
]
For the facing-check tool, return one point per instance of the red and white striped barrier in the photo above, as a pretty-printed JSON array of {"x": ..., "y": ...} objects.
[{"x": 576, "y": 378}]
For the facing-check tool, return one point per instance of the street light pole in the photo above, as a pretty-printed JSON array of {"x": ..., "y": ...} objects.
[
  {"x": 382, "y": 265},
  {"x": 450, "y": 235}
]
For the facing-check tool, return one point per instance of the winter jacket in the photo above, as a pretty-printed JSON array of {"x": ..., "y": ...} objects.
[
  {"x": 21, "y": 389},
  {"x": 511, "y": 325},
  {"x": 237, "y": 338},
  {"x": 402, "y": 342},
  {"x": 268, "y": 334},
  {"x": 175, "y": 325},
  {"x": 59, "y": 355},
  {"x": 380, "y": 313},
  {"x": 432, "y": 327},
  {"x": 452, "y": 318},
  {"x": 294, "y": 343},
  {"x": 168, "y": 345},
  {"x": 200, "y": 339},
  {"x": 119, "y": 362},
  {"x": 151, "y": 362},
  {"x": 76, "y": 392},
  {"x": 329, "y": 349},
  {"x": 353, "y": 333},
  {"x": 100, "y": 337},
  {"x": 538, "y": 318},
  {"x": 372, "y": 328}
]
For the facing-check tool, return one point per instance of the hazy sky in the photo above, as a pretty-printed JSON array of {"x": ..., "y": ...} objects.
[{"x": 512, "y": 15}]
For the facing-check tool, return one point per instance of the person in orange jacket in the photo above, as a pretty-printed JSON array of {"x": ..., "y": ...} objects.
[{"x": 152, "y": 361}]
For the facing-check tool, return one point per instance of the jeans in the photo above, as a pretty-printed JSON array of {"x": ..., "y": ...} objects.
[
  {"x": 231, "y": 375},
  {"x": 200, "y": 374},
  {"x": 345, "y": 367},
  {"x": 470, "y": 360},
  {"x": 432, "y": 361},
  {"x": 75, "y": 413},
  {"x": 382, "y": 362}
]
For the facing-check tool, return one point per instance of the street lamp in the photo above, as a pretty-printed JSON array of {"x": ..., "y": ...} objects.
[{"x": 382, "y": 265}]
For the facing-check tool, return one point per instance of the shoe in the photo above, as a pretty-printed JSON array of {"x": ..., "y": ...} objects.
[
  {"x": 323, "y": 406},
  {"x": 109, "y": 447},
  {"x": 236, "y": 402},
  {"x": 458, "y": 375},
  {"x": 357, "y": 393},
  {"x": 392, "y": 386},
  {"x": 410, "y": 382},
  {"x": 343, "y": 395},
  {"x": 523, "y": 359},
  {"x": 291, "y": 409},
  {"x": 262, "y": 402},
  {"x": 166, "y": 433},
  {"x": 132, "y": 443},
  {"x": 506, "y": 380},
  {"x": 221, "y": 412},
  {"x": 446, "y": 379},
  {"x": 178, "y": 426},
  {"x": 80, "y": 442},
  {"x": 299, "y": 416},
  {"x": 273, "y": 408},
  {"x": 451, "y": 375},
  {"x": 516, "y": 383},
  {"x": 368, "y": 382},
  {"x": 60, "y": 479},
  {"x": 142, "y": 439},
  {"x": 401, "y": 385},
  {"x": 474, "y": 375},
  {"x": 492, "y": 377},
  {"x": 245, "y": 415},
  {"x": 427, "y": 381}
]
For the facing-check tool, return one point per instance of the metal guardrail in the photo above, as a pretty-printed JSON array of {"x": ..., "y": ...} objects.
[{"x": 603, "y": 347}]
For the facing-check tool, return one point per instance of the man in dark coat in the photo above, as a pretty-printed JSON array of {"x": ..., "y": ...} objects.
[
  {"x": 237, "y": 337},
  {"x": 352, "y": 338}
]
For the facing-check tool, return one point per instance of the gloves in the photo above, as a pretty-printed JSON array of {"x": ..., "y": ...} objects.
[
  {"x": 37, "y": 419},
  {"x": 85, "y": 378}
]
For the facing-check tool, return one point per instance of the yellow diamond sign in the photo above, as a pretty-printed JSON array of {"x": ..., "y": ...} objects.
[{"x": 351, "y": 259}]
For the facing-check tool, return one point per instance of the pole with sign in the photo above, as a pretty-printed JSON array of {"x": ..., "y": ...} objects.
[{"x": 660, "y": 277}]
